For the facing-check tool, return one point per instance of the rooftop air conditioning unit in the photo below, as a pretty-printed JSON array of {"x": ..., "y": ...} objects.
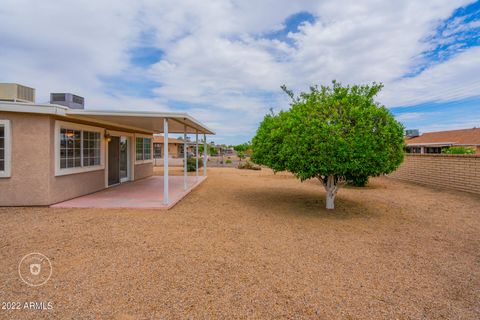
[
  {"x": 16, "y": 92},
  {"x": 68, "y": 100},
  {"x": 412, "y": 133}
]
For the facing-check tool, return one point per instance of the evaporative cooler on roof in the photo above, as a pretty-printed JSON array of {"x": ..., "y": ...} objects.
[{"x": 68, "y": 100}]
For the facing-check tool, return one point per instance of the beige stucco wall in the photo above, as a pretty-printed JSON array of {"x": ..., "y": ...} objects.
[
  {"x": 173, "y": 149},
  {"x": 28, "y": 184},
  {"x": 33, "y": 180},
  {"x": 143, "y": 170},
  {"x": 73, "y": 185}
]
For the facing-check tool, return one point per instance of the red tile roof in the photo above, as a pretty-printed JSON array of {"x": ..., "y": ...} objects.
[{"x": 469, "y": 137}]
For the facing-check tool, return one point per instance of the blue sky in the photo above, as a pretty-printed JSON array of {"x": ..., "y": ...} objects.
[{"x": 224, "y": 61}]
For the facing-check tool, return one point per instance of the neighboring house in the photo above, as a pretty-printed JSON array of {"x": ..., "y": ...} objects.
[
  {"x": 57, "y": 151},
  {"x": 175, "y": 147},
  {"x": 434, "y": 142}
]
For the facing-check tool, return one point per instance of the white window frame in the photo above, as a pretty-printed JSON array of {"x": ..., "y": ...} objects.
[
  {"x": 138, "y": 135},
  {"x": 76, "y": 126},
  {"x": 7, "y": 172}
]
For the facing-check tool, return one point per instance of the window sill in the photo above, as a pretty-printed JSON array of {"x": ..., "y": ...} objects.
[
  {"x": 64, "y": 172},
  {"x": 4, "y": 174}
]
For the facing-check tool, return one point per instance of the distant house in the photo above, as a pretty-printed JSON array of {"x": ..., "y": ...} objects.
[
  {"x": 434, "y": 142},
  {"x": 175, "y": 147}
]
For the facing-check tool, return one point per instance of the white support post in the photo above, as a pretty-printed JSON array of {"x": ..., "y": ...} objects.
[
  {"x": 196, "y": 155},
  {"x": 185, "y": 158},
  {"x": 204, "y": 155},
  {"x": 165, "y": 161}
]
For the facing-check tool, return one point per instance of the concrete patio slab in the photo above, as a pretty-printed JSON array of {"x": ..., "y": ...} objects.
[{"x": 146, "y": 194}]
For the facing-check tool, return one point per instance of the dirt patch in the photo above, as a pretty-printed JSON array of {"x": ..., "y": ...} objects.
[{"x": 249, "y": 244}]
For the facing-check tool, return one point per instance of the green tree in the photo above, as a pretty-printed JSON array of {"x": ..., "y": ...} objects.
[
  {"x": 241, "y": 155},
  {"x": 332, "y": 133},
  {"x": 268, "y": 142},
  {"x": 211, "y": 150},
  {"x": 246, "y": 148}
]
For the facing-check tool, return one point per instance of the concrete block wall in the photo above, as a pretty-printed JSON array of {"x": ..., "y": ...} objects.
[{"x": 459, "y": 172}]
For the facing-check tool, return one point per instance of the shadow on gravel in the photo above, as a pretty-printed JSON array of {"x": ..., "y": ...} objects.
[{"x": 301, "y": 202}]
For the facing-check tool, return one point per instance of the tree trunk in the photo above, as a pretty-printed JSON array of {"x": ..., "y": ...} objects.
[
  {"x": 331, "y": 185},
  {"x": 330, "y": 188},
  {"x": 330, "y": 200}
]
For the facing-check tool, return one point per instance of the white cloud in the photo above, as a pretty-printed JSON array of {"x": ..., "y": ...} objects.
[
  {"x": 455, "y": 79},
  {"x": 217, "y": 59},
  {"x": 409, "y": 116}
]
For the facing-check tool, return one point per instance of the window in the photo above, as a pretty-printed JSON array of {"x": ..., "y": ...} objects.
[
  {"x": 147, "y": 148},
  {"x": 5, "y": 146},
  {"x": 91, "y": 148},
  {"x": 433, "y": 150},
  {"x": 157, "y": 150},
  {"x": 143, "y": 148},
  {"x": 414, "y": 149},
  {"x": 80, "y": 148},
  {"x": 70, "y": 146}
]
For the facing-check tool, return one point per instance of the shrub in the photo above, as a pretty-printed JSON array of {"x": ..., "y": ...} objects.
[
  {"x": 191, "y": 164},
  {"x": 458, "y": 150},
  {"x": 357, "y": 181},
  {"x": 249, "y": 166},
  {"x": 228, "y": 161}
]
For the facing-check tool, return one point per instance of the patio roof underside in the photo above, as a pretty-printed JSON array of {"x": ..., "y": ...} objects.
[{"x": 146, "y": 122}]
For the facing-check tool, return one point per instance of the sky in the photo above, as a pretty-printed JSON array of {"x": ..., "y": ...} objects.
[{"x": 223, "y": 61}]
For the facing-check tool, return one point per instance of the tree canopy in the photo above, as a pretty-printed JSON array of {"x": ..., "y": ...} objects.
[
  {"x": 244, "y": 147},
  {"x": 333, "y": 133}
]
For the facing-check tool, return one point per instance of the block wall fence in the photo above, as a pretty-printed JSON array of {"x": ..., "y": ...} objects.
[{"x": 459, "y": 172}]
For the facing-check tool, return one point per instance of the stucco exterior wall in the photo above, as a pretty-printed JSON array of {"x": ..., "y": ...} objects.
[
  {"x": 143, "y": 170},
  {"x": 33, "y": 181},
  {"x": 173, "y": 149},
  {"x": 28, "y": 184},
  {"x": 70, "y": 186}
]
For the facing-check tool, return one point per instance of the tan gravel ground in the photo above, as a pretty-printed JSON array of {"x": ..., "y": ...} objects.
[{"x": 250, "y": 244}]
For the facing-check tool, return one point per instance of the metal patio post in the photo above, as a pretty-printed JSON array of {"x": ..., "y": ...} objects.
[
  {"x": 204, "y": 155},
  {"x": 196, "y": 155},
  {"x": 185, "y": 157},
  {"x": 165, "y": 161}
]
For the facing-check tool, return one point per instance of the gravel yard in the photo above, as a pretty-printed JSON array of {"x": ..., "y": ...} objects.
[{"x": 250, "y": 244}]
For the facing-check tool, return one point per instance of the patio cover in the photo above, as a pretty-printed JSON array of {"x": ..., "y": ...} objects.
[
  {"x": 144, "y": 121},
  {"x": 154, "y": 122}
]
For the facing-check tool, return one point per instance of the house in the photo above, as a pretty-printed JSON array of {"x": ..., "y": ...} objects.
[
  {"x": 57, "y": 151},
  {"x": 175, "y": 147},
  {"x": 434, "y": 142}
]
